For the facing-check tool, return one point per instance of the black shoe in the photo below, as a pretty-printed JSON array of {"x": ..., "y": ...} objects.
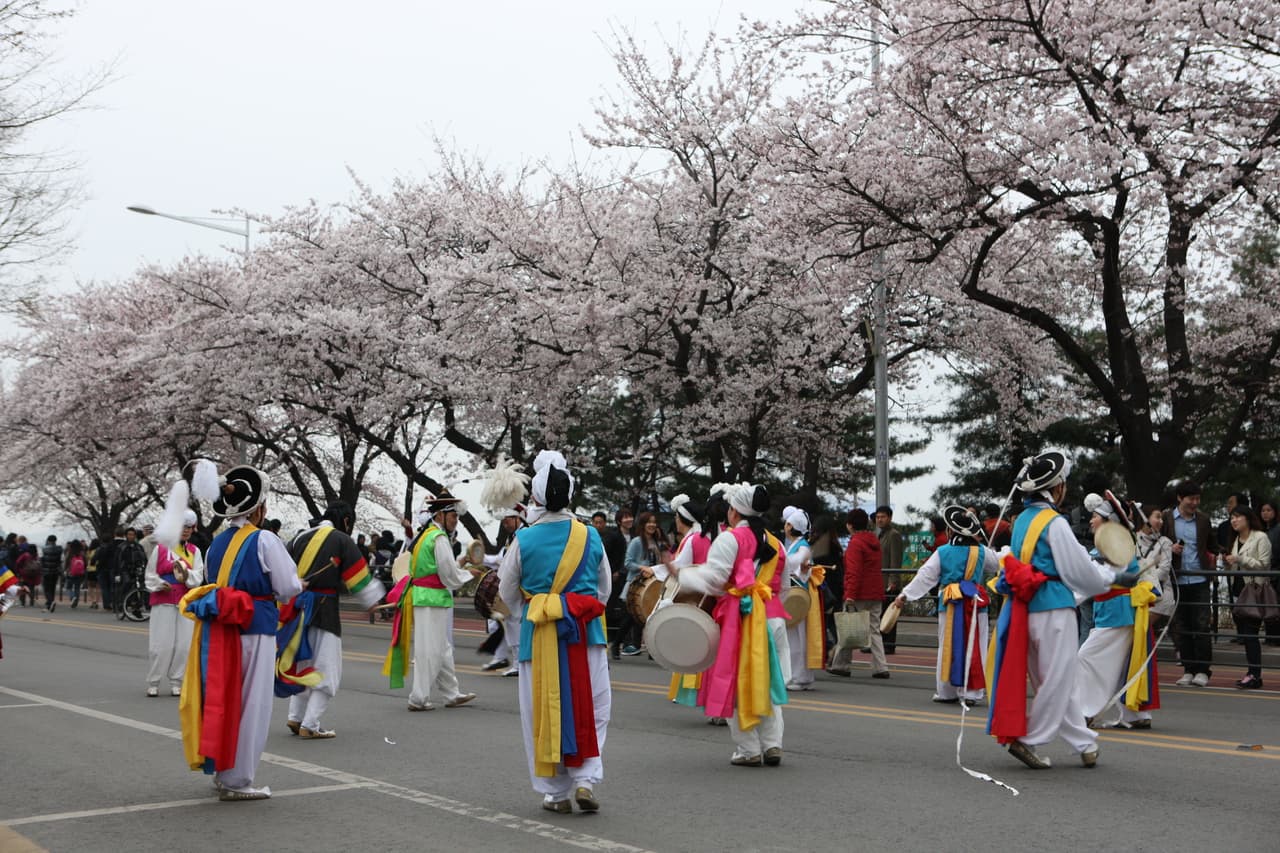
[
  {"x": 617, "y": 654},
  {"x": 884, "y": 674}
]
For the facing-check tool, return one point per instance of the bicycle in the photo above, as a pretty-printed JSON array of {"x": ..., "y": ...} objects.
[{"x": 135, "y": 603}]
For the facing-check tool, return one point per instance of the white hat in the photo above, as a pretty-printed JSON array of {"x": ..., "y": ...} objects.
[
  {"x": 748, "y": 500},
  {"x": 797, "y": 518}
]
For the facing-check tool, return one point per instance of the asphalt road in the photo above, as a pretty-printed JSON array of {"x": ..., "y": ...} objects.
[{"x": 88, "y": 763}]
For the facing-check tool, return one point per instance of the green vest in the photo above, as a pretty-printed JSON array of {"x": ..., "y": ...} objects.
[{"x": 424, "y": 566}]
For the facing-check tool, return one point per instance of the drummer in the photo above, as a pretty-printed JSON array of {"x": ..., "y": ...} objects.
[
  {"x": 958, "y": 569},
  {"x": 692, "y": 551},
  {"x": 795, "y": 529},
  {"x": 1119, "y": 622},
  {"x": 742, "y": 565}
]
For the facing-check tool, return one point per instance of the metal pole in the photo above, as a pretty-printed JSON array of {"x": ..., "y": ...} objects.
[{"x": 881, "y": 326}]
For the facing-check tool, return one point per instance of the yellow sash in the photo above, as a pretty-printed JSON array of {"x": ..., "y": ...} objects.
[
  {"x": 951, "y": 592},
  {"x": 754, "y": 666},
  {"x": 1139, "y": 692},
  {"x": 233, "y": 550},
  {"x": 307, "y": 563},
  {"x": 813, "y": 622},
  {"x": 406, "y": 617},
  {"x": 544, "y": 610}
]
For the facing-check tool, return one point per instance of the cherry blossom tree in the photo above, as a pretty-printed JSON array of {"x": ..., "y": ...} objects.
[{"x": 1081, "y": 171}]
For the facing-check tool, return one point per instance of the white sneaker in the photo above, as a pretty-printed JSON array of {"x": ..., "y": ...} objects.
[
  {"x": 1200, "y": 680},
  {"x": 1185, "y": 680},
  {"x": 175, "y": 690}
]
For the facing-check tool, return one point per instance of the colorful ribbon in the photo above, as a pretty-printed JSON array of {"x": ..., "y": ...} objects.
[
  {"x": 211, "y": 693},
  {"x": 1144, "y": 690},
  {"x": 815, "y": 635}
]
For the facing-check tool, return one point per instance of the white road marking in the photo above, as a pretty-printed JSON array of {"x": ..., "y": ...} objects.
[
  {"x": 171, "y": 804},
  {"x": 343, "y": 779},
  {"x": 23, "y": 705}
]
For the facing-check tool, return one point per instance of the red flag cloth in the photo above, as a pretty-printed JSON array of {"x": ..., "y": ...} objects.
[
  {"x": 1008, "y": 720},
  {"x": 220, "y": 730},
  {"x": 582, "y": 609}
]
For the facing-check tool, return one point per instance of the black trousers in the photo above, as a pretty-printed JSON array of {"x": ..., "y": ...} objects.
[{"x": 50, "y": 589}]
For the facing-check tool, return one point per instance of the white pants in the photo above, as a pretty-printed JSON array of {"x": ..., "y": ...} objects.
[
  {"x": 798, "y": 641},
  {"x": 258, "y": 667},
  {"x": 433, "y": 671},
  {"x": 591, "y": 773},
  {"x": 1104, "y": 667},
  {"x": 168, "y": 642},
  {"x": 1052, "y": 667},
  {"x": 766, "y": 735},
  {"x": 778, "y": 630},
  {"x": 944, "y": 688},
  {"x": 308, "y": 706}
]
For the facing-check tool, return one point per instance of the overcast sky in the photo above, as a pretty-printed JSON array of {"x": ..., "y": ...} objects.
[{"x": 260, "y": 105}]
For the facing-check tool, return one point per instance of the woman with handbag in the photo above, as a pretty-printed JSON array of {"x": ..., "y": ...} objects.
[{"x": 1257, "y": 599}]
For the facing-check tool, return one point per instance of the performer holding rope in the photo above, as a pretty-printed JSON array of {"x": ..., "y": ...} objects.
[
  {"x": 1117, "y": 649},
  {"x": 1045, "y": 569},
  {"x": 958, "y": 569}
]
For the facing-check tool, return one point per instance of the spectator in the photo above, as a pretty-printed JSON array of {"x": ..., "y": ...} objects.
[
  {"x": 27, "y": 568},
  {"x": 75, "y": 570},
  {"x": 51, "y": 568},
  {"x": 91, "y": 573},
  {"x": 1270, "y": 517},
  {"x": 891, "y": 563},
  {"x": 1250, "y": 552},
  {"x": 616, "y": 539},
  {"x": 863, "y": 590},
  {"x": 938, "y": 531},
  {"x": 1155, "y": 561},
  {"x": 1193, "y": 565},
  {"x": 108, "y": 560},
  {"x": 131, "y": 561},
  {"x": 1226, "y": 532},
  {"x": 646, "y": 549},
  {"x": 997, "y": 531}
]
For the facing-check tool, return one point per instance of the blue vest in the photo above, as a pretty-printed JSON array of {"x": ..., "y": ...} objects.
[
  {"x": 952, "y": 562},
  {"x": 1115, "y": 612},
  {"x": 1053, "y": 594},
  {"x": 541, "y": 547},
  {"x": 250, "y": 578}
]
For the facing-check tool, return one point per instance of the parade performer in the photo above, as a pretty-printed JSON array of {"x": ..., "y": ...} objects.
[
  {"x": 503, "y": 631},
  {"x": 170, "y": 573},
  {"x": 807, "y": 640},
  {"x": 227, "y": 709},
  {"x": 692, "y": 551},
  {"x": 309, "y": 636},
  {"x": 557, "y": 576},
  {"x": 424, "y": 619},
  {"x": 9, "y": 587},
  {"x": 1036, "y": 635},
  {"x": 746, "y": 683},
  {"x": 1118, "y": 645},
  {"x": 958, "y": 570}
]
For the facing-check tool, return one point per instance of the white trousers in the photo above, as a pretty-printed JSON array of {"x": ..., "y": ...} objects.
[
  {"x": 798, "y": 641},
  {"x": 309, "y": 706},
  {"x": 258, "y": 666},
  {"x": 433, "y": 671},
  {"x": 168, "y": 642},
  {"x": 591, "y": 773},
  {"x": 1052, "y": 667},
  {"x": 1104, "y": 667},
  {"x": 943, "y": 687},
  {"x": 766, "y": 735}
]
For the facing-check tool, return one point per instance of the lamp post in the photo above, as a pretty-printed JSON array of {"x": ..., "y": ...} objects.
[
  {"x": 202, "y": 221},
  {"x": 881, "y": 325}
]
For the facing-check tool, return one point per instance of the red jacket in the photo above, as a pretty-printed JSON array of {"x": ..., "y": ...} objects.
[{"x": 863, "y": 579}]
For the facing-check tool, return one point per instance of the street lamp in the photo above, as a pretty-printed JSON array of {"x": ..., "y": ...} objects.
[{"x": 202, "y": 221}]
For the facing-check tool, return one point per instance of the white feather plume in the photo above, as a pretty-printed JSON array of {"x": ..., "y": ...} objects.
[
  {"x": 205, "y": 483},
  {"x": 505, "y": 487},
  {"x": 169, "y": 528}
]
